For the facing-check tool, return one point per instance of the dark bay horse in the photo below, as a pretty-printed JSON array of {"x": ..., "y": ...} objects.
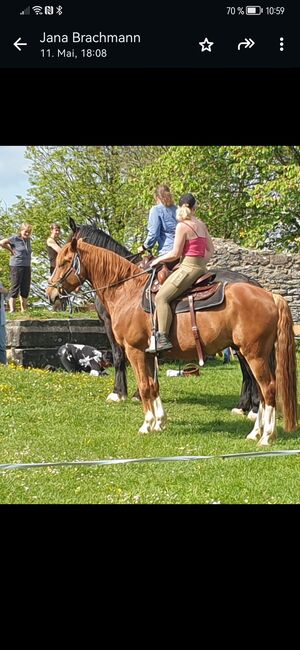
[
  {"x": 250, "y": 396},
  {"x": 250, "y": 319}
]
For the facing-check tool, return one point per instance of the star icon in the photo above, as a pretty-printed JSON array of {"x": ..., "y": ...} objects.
[{"x": 206, "y": 45}]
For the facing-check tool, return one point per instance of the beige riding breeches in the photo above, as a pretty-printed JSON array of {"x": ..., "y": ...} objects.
[{"x": 189, "y": 270}]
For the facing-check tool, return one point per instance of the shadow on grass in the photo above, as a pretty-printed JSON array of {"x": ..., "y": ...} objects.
[
  {"x": 292, "y": 435},
  {"x": 220, "y": 402},
  {"x": 236, "y": 429}
]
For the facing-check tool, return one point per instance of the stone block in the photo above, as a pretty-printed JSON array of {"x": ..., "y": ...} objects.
[{"x": 55, "y": 332}]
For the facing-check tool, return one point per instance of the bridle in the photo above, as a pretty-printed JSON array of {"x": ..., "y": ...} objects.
[{"x": 75, "y": 268}]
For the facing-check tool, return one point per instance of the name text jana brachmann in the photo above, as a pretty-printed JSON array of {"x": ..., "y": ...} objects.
[{"x": 77, "y": 37}]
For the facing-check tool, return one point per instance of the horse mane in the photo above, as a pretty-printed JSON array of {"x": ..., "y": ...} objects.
[
  {"x": 93, "y": 235},
  {"x": 113, "y": 267}
]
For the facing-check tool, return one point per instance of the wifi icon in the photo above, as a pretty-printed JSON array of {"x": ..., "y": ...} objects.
[{"x": 37, "y": 10}]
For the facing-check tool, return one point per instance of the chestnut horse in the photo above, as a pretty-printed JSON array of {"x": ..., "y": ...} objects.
[
  {"x": 251, "y": 319},
  {"x": 249, "y": 397}
]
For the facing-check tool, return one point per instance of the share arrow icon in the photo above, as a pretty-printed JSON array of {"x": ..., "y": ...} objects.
[
  {"x": 17, "y": 44},
  {"x": 248, "y": 42}
]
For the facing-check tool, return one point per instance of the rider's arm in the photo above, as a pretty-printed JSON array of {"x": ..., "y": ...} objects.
[
  {"x": 153, "y": 228},
  {"x": 176, "y": 252}
]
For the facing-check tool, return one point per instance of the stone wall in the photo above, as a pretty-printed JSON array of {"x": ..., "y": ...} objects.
[{"x": 279, "y": 273}]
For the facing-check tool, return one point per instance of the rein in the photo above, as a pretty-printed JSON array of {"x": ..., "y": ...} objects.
[{"x": 115, "y": 284}]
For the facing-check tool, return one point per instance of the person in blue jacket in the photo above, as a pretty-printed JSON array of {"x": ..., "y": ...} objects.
[{"x": 161, "y": 222}]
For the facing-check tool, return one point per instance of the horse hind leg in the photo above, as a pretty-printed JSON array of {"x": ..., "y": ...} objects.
[
  {"x": 119, "y": 392},
  {"x": 264, "y": 430},
  {"x": 258, "y": 428}
]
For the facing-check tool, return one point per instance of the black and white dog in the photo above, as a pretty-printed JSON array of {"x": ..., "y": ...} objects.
[{"x": 84, "y": 358}]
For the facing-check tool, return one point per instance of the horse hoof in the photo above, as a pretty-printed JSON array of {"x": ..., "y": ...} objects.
[
  {"x": 135, "y": 399},
  {"x": 252, "y": 416},
  {"x": 114, "y": 397},
  {"x": 264, "y": 442},
  {"x": 237, "y": 411},
  {"x": 255, "y": 436},
  {"x": 145, "y": 428},
  {"x": 267, "y": 441}
]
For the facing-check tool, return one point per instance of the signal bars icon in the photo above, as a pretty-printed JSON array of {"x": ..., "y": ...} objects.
[{"x": 25, "y": 12}]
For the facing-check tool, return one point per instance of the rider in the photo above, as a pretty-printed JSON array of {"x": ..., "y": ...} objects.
[
  {"x": 194, "y": 245},
  {"x": 161, "y": 222}
]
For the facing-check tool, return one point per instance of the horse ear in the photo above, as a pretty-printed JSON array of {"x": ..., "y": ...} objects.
[
  {"x": 72, "y": 225},
  {"x": 74, "y": 244}
]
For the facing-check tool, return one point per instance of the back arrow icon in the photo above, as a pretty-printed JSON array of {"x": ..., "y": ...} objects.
[
  {"x": 248, "y": 42},
  {"x": 17, "y": 43}
]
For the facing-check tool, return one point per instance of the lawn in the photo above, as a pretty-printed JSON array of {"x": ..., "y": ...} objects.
[{"x": 56, "y": 416}]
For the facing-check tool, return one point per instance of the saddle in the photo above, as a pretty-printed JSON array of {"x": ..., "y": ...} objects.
[{"x": 205, "y": 292}]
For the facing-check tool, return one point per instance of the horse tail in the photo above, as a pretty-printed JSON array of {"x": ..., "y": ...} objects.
[{"x": 286, "y": 367}]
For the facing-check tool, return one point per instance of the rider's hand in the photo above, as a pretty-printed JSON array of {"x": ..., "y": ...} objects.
[{"x": 155, "y": 263}]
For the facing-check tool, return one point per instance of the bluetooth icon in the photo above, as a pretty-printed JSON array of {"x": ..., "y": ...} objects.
[{"x": 59, "y": 10}]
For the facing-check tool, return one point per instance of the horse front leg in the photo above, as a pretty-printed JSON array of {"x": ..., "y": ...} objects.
[
  {"x": 143, "y": 368},
  {"x": 119, "y": 391},
  {"x": 159, "y": 411}
]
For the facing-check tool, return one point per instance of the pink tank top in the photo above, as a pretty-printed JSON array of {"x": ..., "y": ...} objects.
[{"x": 194, "y": 247}]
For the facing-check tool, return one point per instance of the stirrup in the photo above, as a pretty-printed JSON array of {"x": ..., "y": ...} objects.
[{"x": 152, "y": 346}]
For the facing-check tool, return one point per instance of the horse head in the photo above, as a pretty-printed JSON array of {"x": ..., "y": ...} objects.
[{"x": 69, "y": 272}]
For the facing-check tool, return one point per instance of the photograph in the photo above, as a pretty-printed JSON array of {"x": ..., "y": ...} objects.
[{"x": 150, "y": 323}]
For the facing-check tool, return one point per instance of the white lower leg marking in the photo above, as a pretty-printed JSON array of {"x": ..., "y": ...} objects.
[
  {"x": 257, "y": 430},
  {"x": 269, "y": 432},
  {"x": 160, "y": 414},
  {"x": 114, "y": 397},
  {"x": 148, "y": 424}
]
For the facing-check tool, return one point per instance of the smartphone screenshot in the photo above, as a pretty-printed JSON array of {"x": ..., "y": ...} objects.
[{"x": 128, "y": 118}]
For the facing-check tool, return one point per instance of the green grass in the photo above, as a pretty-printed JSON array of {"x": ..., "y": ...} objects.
[
  {"x": 46, "y": 313},
  {"x": 57, "y": 416}
]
